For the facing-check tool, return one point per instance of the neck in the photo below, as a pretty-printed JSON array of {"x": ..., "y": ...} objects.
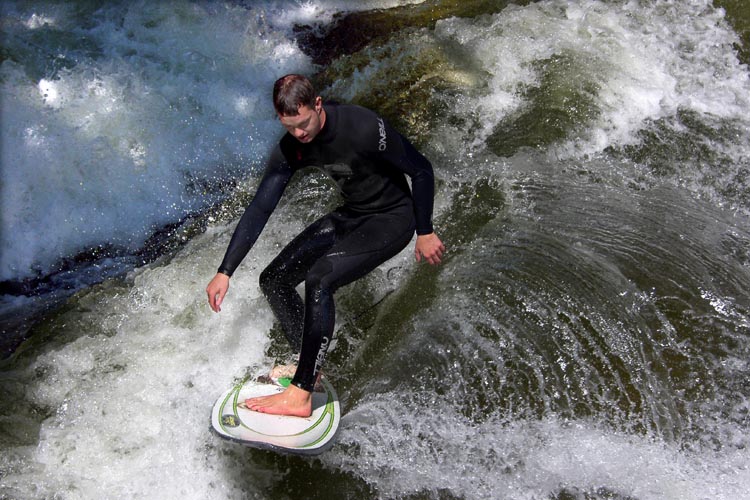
[{"x": 322, "y": 117}]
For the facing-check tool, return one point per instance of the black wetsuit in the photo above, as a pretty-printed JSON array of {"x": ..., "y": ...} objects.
[{"x": 367, "y": 159}]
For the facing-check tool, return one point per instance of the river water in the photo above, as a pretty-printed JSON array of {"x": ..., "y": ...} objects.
[{"x": 587, "y": 336}]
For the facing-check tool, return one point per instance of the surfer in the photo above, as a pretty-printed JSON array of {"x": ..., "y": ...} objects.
[{"x": 368, "y": 160}]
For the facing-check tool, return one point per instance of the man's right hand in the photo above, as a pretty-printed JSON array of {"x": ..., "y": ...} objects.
[{"x": 216, "y": 291}]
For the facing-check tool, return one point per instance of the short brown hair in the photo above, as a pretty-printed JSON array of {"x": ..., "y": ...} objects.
[{"x": 292, "y": 91}]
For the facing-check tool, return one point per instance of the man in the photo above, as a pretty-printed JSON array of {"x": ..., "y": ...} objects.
[{"x": 367, "y": 159}]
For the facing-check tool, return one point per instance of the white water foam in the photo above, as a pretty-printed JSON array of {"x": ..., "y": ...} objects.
[
  {"x": 647, "y": 61},
  {"x": 130, "y": 398},
  {"x": 406, "y": 447},
  {"x": 288, "y": 14},
  {"x": 142, "y": 130}
]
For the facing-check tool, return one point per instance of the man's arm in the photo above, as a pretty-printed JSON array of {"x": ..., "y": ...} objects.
[
  {"x": 399, "y": 152},
  {"x": 276, "y": 177}
]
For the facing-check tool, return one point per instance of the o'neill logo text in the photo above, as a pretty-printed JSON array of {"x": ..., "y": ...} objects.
[
  {"x": 321, "y": 355},
  {"x": 381, "y": 130}
]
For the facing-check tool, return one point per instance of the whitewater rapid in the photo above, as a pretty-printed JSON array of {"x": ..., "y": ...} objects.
[{"x": 586, "y": 337}]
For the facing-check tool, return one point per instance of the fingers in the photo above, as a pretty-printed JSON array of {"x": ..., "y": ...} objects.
[
  {"x": 438, "y": 255},
  {"x": 215, "y": 300},
  {"x": 216, "y": 290},
  {"x": 429, "y": 248},
  {"x": 435, "y": 257}
]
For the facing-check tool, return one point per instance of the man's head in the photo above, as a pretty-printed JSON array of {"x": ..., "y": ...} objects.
[{"x": 299, "y": 109}]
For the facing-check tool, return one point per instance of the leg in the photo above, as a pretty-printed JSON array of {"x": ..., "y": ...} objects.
[
  {"x": 362, "y": 243},
  {"x": 345, "y": 263},
  {"x": 280, "y": 279}
]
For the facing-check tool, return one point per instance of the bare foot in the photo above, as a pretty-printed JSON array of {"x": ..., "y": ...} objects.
[{"x": 293, "y": 402}]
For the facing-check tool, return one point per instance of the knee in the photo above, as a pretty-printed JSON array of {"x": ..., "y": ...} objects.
[
  {"x": 267, "y": 281},
  {"x": 318, "y": 278}
]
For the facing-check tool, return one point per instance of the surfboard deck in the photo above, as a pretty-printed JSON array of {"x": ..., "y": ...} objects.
[{"x": 302, "y": 436}]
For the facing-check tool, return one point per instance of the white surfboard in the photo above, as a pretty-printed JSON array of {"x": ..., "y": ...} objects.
[{"x": 305, "y": 436}]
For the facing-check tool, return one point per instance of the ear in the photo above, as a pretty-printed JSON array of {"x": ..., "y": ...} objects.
[{"x": 318, "y": 104}]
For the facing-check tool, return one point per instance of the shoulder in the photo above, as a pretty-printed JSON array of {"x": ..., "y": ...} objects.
[
  {"x": 362, "y": 126},
  {"x": 351, "y": 112}
]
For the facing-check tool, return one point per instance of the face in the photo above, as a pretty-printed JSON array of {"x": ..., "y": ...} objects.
[{"x": 305, "y": 125}]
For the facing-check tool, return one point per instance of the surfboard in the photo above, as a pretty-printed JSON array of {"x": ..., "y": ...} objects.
[{"x": 303, "y": 436}]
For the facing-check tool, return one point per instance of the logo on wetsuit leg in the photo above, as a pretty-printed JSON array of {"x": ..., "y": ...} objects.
[
  {"x": 381, "y": 130},
  {"x": 321, "y": 355}
]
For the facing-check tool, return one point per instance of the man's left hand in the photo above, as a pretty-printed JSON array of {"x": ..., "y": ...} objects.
[{"x": 430, "y": 248}]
